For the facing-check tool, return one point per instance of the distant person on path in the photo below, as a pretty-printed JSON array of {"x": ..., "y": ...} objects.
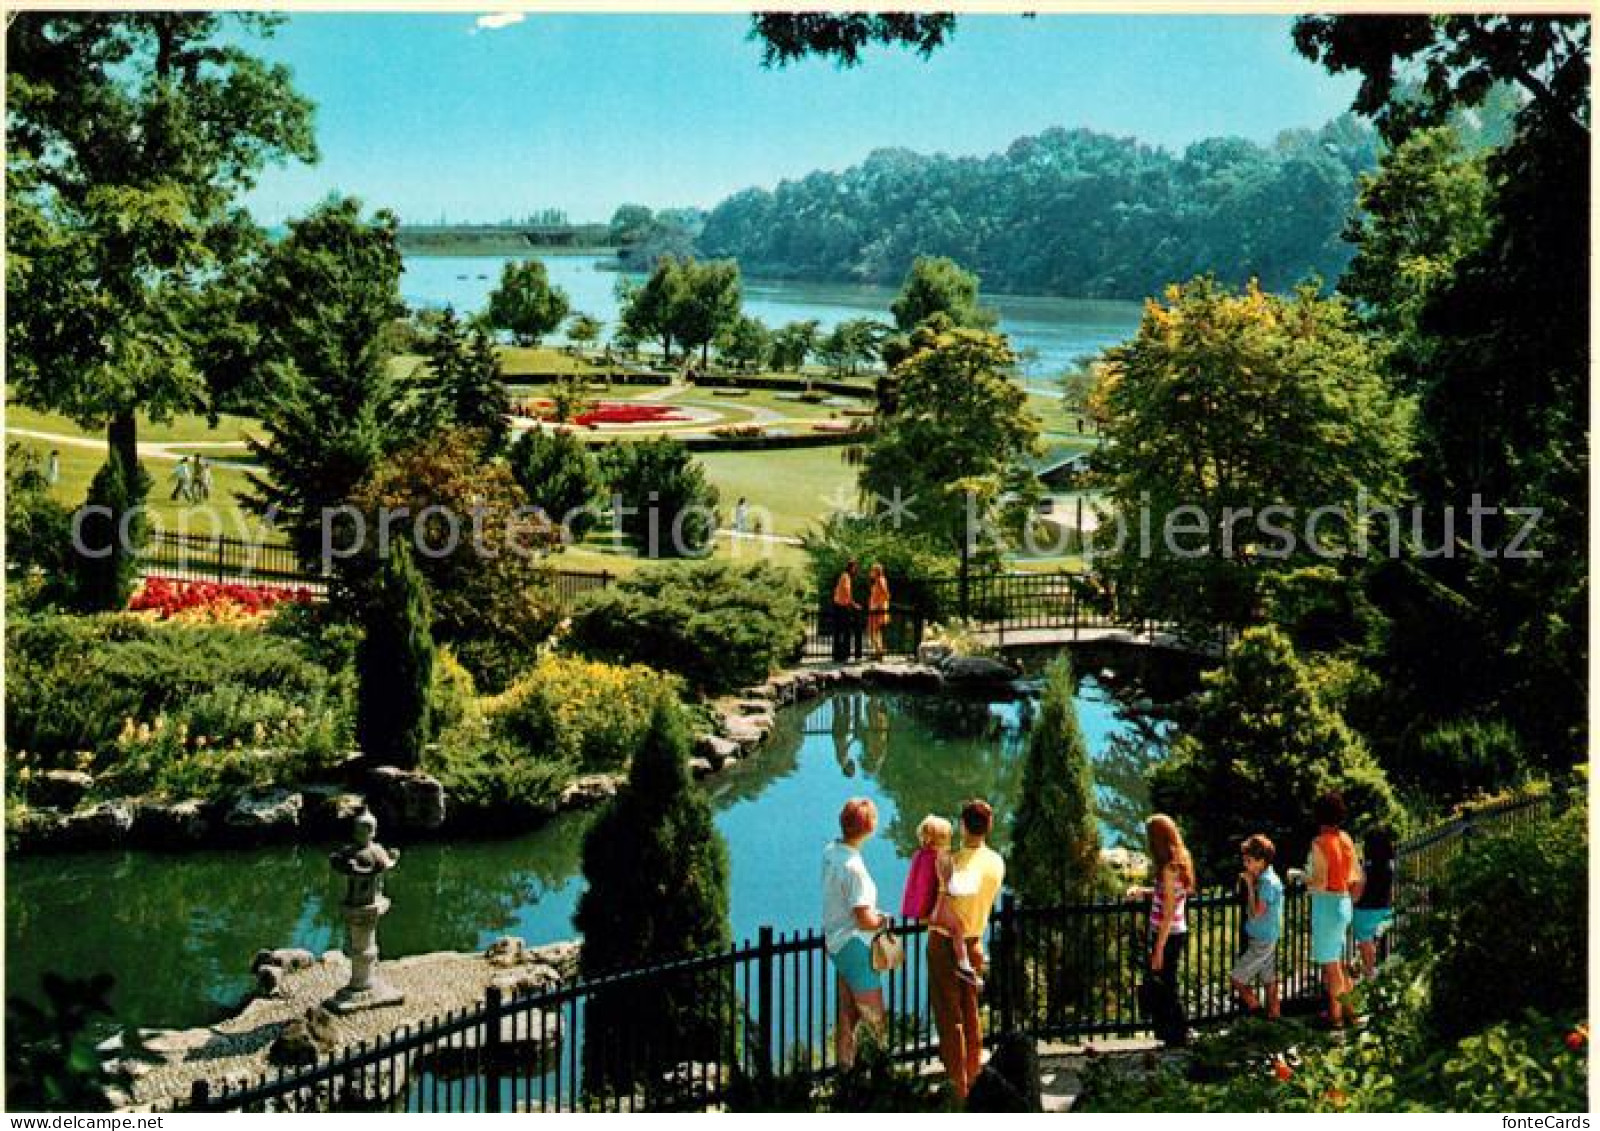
[
  {"x": 1263, "y": 926},
  {"x": 52, "y": 468},
  {"x": 741, "y": 515},
  {"x": 925, "y": 899},
  {"x": 976, "y": 873},
  {"x": 1374, "y": 905},
  {"x": 1332, "y": 872},
  {"x": 182, "y": 487},
  {"x": 203, "y": 481},
  {"x": 849, "y": 920},
  {"x": 1169, "y": 928},
  {"x": 877, "y": 609},
  {"x": 846, "y": 615}
]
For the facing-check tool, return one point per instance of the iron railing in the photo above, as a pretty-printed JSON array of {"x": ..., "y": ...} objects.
[
  {"x": 712, "y": 1029},
  {"x": 184, "y": 556},
  {"x": 991, "y": 603}
]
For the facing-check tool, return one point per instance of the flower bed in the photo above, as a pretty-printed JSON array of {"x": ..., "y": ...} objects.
[
  {"x": 629, "y": 414},
  {"x": 211, "y": 600}
]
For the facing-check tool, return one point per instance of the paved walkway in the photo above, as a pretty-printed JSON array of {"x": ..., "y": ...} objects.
[{"x": 148, "y": 449}]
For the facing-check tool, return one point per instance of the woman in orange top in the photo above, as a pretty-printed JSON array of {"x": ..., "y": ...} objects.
[
  {"x": 1332, "y": 873},
  {"x": 877, "y": 610}
]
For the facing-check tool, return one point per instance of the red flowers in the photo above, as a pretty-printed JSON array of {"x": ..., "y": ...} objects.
[
  {"x": 210, "y": 600},
  {"x": 1281, "y": 1069},
  {"x": 1577, "y": 1038},
  {"x": 627, "y": 414}
]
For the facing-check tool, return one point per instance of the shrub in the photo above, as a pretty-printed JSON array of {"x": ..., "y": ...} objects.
[
  {"x": 665, "y": 502},
  {"x": 557, "y": 472},
  {"x": 719, "y": 625},
  {"x": 484, "y": 772},
  {"x": 38, "y": 528},
  {"x": 588, "y": 715},
  {"x": 1513, "y": 902},
  {"x": 169, "y": 708},
  {"x": 1261, "y": 746},
  {"x": 1463, "y": 757},
  {"x": 488, "y": 586}
]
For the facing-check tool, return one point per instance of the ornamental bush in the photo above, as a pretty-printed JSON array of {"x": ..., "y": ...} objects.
[
  {"x": 1260, "y": 746},
  {"x": 588, "y": 715},
  {"x": 665, "y": 503},
  {"x": 1512, "y": 902},
  {"x": 160, "y": 706},
  {"x": 720, "y": 625}
]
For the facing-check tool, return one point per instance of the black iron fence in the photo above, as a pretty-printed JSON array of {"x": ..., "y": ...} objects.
[
  {"x": 719, "y": 1028},
  {"x": 217, "y": 557}
]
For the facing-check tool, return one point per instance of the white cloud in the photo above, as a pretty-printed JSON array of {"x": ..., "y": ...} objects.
[{"x": 497, "y": 20}]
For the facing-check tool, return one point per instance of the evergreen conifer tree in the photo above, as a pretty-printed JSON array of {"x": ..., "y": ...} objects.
[
  {"x": 103, "y": 578},
  {"x": 1055, "y": 853},
  {"x": 394, "y": 662},
  {"x": 657, "y": 872}
]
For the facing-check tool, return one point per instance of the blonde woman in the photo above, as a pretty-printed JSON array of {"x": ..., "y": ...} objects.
[{"x": 877, "y": 610}]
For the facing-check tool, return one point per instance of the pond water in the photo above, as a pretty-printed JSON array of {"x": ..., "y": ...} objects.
[
  {"x": 1058, "y": 331},
  {"x": 177, "y": 930}
]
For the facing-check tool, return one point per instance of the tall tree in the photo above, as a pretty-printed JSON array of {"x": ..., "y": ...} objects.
[
  {"x": 788, "y": 37},
  {"x": 1505, "y": 389},
  {"x": 657, "y": 872},
  {"x": 1229, "y": 420},
  {"x": 793, "y": 343},
  {"x": 335, "y": 408},
  {"x": 462, "y": 384},
  {"x": 707, "y": 303},
  {"x": 948, "y": 460},
  {"x": 131, "y": 138},
  {"x": 525, "y": 303},
  {"x": 647, "y": 308},
  {"x": 936, "y": 285},
  {"x": 745, "y": 342}
]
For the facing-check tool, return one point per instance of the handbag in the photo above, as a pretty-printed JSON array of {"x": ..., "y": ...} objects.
[{"x": 888, "y": 952}]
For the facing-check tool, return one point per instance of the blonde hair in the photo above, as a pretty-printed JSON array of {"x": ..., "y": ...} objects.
[{"x": 934, "y": 832}]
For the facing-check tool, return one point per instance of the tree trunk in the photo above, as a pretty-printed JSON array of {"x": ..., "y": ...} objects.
[{"x": 122, "y": 441}]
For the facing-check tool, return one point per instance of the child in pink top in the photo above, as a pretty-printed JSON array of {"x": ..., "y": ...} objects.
[{"x": 924, "y": 897}]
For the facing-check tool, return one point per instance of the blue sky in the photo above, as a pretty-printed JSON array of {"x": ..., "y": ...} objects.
[{"x": 435, "y": 115}]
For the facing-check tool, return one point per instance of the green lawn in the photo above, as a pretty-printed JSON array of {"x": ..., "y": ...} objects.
[
  {"x": 797, "y": 486},
  {"x": 181, "y": 428},
  {"x": 222, "y": 515}
]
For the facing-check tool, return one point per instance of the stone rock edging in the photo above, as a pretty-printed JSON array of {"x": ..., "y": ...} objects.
[
  {"x": 288, "y": 1022},
  {"x": 412, "y": 802}
]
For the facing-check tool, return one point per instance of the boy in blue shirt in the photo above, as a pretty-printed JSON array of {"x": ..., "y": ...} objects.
[{"x": 1262, "y": 927}]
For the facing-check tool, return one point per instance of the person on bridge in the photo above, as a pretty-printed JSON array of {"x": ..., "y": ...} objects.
[
  {"x": 846, "y": 615},
  {"x": 877, "y": 609}
]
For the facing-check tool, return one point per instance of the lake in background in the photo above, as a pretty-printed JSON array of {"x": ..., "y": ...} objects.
[
  {"x": 1059, "y": 331},
  {"x": 177, "y": 930}
]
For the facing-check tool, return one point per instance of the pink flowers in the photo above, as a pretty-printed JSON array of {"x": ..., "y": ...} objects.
[{"x": 211, "y": 600}]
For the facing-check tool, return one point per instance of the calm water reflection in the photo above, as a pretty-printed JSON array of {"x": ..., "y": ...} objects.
[{"x": 178, "y": 931}]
